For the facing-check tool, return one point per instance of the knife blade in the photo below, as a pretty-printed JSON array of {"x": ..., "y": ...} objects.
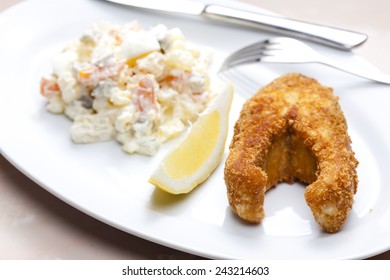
[{"x": 326, "y": 35}]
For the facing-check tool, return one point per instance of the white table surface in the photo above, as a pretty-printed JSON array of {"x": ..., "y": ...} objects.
[{"x": 36, "y": 225}]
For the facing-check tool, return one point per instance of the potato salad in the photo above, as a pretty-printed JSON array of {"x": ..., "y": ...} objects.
[{"x": 138, "y": 86}]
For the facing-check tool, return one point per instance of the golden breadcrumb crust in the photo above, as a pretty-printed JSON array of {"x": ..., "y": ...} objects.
[{"x": 293, "y": 129}]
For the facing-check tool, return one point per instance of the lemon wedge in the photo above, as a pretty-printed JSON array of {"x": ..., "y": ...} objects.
[{"x": 199, "y": 153}]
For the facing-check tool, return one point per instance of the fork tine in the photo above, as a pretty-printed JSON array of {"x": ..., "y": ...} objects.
[
  {"x": 239, "y": 61},
  {"x": 233, "y": 62},
  {"x": 249, "y": 54},
  {"x": 253, "y": 48}
]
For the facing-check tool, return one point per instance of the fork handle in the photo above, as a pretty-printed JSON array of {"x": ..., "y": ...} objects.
[
  {"x": 373, "y": 75},
  {"x": 330, "y": 36}
]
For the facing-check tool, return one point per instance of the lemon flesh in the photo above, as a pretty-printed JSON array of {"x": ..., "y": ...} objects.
[
  {"x": 194, "y": 151},
  {"x": 196, "y": 157}
]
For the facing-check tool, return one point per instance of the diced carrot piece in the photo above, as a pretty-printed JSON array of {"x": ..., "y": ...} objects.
[
  {"x": 49, "y": 87},
  {"x": 86, "y": 73}
]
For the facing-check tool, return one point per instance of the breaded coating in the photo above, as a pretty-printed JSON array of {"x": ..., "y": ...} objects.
[{"x": 293, "y": 129}]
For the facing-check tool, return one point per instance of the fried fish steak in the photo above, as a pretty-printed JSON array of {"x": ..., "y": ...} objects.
[{"x": 293, "y": 129}]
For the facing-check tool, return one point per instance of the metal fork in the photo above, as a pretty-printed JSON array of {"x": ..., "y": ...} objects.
[{"x": 288, "y": 50}]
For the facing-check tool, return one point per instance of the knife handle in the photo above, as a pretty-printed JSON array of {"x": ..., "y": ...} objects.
[{"x": 334, "y": 37}]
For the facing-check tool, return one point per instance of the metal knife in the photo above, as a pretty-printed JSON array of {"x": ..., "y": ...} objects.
[{"x": 330, "y": 36}]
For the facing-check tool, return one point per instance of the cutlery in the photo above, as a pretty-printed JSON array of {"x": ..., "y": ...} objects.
[
  {"x": 288, "y": 50},
  {"x": 330, "y": 36}
]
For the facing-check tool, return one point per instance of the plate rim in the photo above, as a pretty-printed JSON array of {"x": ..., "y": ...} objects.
[{"x": 79, "y": 207}]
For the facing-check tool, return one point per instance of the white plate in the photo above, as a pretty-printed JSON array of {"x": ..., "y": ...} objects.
[{"x": 112, "y": 186}]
